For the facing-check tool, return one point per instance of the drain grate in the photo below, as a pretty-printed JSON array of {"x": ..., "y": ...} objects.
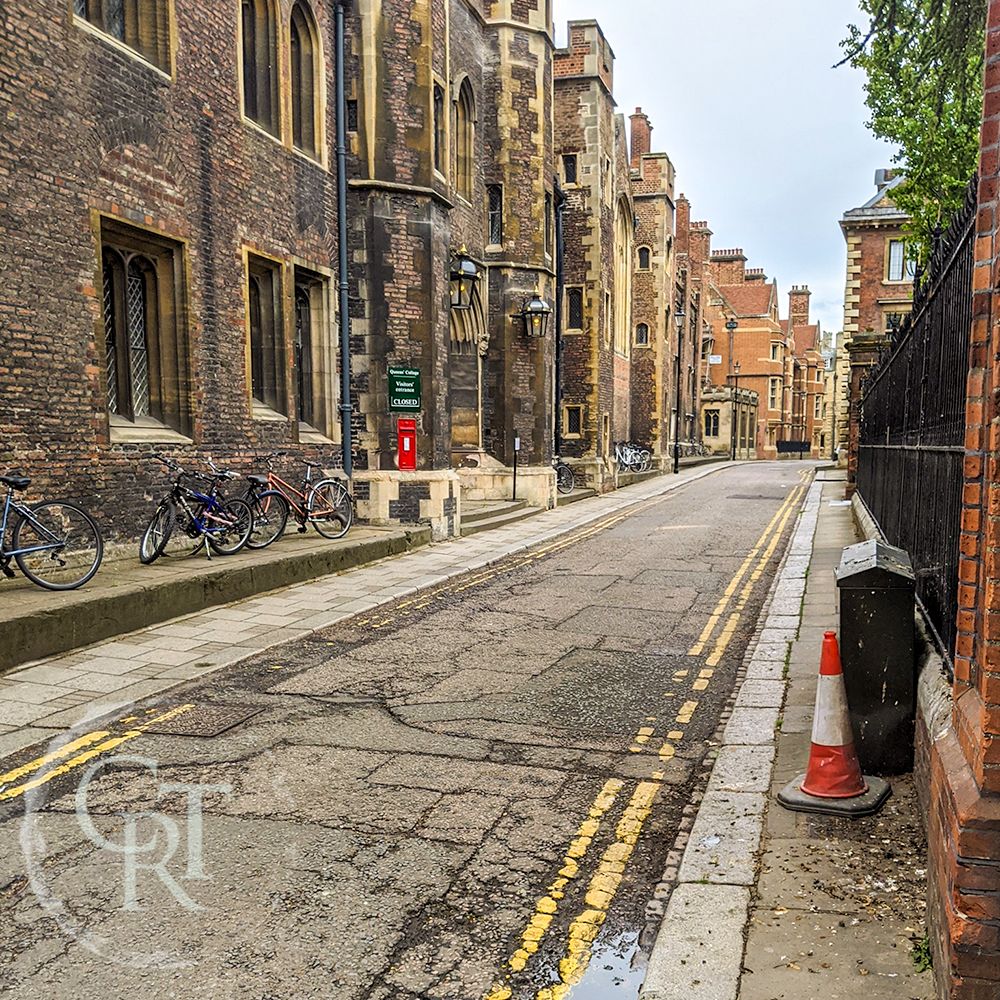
[
  {"x": 206, "y": 721},
  {"x": 757, "y": 496}
]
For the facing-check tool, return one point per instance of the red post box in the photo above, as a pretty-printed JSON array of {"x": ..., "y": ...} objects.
[{"x": 406, "y": 445}]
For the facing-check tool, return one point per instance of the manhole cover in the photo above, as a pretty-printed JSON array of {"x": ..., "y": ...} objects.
[{"x": 205, "y": 720}]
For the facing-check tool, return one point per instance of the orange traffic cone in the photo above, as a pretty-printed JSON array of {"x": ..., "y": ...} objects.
[{"x": 833, "y": 782}]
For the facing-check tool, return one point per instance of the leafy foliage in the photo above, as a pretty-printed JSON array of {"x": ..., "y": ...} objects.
[{"x": 924, "y": 64}]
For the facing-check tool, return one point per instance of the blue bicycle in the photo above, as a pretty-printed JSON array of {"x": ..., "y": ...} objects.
[
  {"x": 224, "y": 523},
  {"x": 56, "y": 544}
]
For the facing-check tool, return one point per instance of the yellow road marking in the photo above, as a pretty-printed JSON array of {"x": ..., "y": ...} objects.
[
  {"x": 548, "y": 905},
  {"x": 726, "y": 635},
  {"x": 727, "y": 595},
  {"x": 601, "y": 892},
  {"x": 686, "y": 712},
  {"x": 64, "y": 751},
  {"x": 80, "y": 759}
]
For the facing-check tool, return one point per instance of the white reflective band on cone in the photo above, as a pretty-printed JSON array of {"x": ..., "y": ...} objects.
[{"x": 831, "y": 722}]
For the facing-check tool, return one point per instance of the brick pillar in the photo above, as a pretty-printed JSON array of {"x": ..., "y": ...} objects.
[{"x": 964, "y": 762}]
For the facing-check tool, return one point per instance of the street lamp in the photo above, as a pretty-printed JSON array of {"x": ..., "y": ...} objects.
[
  {"x": 535, "y": 312},
  {"x": 463, "y": 276},
  {"x": 679, "y": 318}
]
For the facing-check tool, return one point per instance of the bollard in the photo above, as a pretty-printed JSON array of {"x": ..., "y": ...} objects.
[{"x": 876, "y": 584}]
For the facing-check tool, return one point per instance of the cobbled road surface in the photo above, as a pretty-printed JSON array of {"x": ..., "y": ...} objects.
[{"x": 469, "y": 798}]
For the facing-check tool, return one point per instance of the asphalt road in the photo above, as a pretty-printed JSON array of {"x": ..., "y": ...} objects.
[{"x": 474, "y": 798}]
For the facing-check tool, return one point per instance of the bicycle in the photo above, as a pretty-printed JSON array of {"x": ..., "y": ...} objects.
[
  {"x": 565, "y": 479},
  {"x": 50, "y": 539},
  {"x": 633, "y": 459},
  {"x": 224, "y": 524},
  {"x": 327, "y": 505}
]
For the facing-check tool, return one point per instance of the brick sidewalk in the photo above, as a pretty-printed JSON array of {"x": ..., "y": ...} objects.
[{"x": 67, "y": 691}]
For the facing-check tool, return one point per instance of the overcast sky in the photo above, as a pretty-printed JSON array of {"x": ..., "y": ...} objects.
[{"x": 768, "y": 140}]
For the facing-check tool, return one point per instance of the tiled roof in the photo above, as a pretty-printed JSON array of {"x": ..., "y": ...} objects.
[
  {"x": 749, "y": 300},
  {"x": 806, "y": 337}
]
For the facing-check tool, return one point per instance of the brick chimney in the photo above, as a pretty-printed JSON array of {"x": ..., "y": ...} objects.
[
  {"x": 754, "y": 276},
  {"x": 642, "y": 136},
  {"x": 798, "y": 305},
  {"x": 729, "y": 266},
  {"x": 701, "y": 244},
  {"x": 683, "y": 224}
]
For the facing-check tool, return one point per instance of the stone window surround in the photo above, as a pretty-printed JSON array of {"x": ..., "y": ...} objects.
[
  {"x": 581, "y": 411},
  {"x": 166, "y": 71},
  {"x": 149, "y": 430},
  {"x": 284, "y": 136}
]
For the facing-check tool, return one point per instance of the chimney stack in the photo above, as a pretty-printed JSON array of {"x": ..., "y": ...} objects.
[
  {"x": 682, "y": 224},
  {"x": 798, "y": 305},
  {"x": 642, "y": 137},
  {"x": 729, "y": 266}
]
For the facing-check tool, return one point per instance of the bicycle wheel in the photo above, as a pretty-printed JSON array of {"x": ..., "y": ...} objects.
[
  {"x": 564, "y": 478},
  {"x": 330, "y": 508},
  {"x": 69, "y": 544},
  {"x": 229, "y": 527},
  {"x": 270, "y": 515},
  {"x": 157, "y": 534}
]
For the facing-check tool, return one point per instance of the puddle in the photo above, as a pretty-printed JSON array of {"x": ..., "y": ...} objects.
[{"x": 610, "y": 975}]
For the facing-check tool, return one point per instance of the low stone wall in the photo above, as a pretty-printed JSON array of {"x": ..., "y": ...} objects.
[
  {"x": 535, "y": 486},
  {"x": 432, "y": 498}
]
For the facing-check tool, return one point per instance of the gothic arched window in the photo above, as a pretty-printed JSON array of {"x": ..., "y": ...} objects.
[{"x": 260, "y": 64}]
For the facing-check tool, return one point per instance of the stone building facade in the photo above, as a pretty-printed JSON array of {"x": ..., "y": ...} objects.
[
  {"x": 879, "y": 294},
  {"x": 169, "y": 268},
  {"x": 452, "y": 155},
  {"x": 618, "y": 268}
]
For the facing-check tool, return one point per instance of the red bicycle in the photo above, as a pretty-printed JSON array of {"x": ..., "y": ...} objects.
[{"x": 327, "y": 504}]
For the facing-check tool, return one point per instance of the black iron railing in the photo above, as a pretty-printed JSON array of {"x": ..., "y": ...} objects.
[{"x": 911, "y": 447}]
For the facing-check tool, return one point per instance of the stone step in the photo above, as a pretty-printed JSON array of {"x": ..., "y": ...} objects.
[
  {"x": 484, "y": 510},
  {"x": 578, "y": 494},
  {"x": 125, "y": 596},
  {"x": 630, "y": 478},
  {"x": 498, "y": 520}
]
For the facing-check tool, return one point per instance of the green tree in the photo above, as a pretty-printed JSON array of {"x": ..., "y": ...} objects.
[{"x": 924, "y": 65}]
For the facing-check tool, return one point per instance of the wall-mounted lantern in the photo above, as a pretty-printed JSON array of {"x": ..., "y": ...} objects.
[
  {"x": 535, "y": 312},
  {"x": 463, "y": 276}
]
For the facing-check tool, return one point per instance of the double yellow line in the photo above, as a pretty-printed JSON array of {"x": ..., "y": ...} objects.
[
  {"x": 762, "y": 552},
  {"x": 67, "y": 758},
  {"x": 604, "y": 883}
]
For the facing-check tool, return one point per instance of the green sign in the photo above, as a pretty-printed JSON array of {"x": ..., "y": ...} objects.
[{"x": 404, "y": 390}]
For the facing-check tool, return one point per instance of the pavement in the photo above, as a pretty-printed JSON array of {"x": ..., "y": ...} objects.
[
  {"x": 469, "y": 792},
  {"x": 766, "y": 904}
]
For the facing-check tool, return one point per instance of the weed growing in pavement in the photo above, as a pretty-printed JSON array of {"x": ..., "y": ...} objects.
[
  {"x": 923, "y": 960},
  {"x": 778, "y": 723}
]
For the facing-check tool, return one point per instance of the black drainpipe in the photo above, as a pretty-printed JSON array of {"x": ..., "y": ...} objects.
[
  {"x": 560, "y": 282},
  {"x": 346, "y": 410}
]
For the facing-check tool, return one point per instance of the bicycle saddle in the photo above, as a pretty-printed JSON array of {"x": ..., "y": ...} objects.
[
  {"x": 257, "y": 480},
  {"x": 16, "y": 482},
  {"x": 314, "y": 465}
]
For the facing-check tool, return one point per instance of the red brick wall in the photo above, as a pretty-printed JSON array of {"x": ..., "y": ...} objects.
[{"x": 964, "y": 765}]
